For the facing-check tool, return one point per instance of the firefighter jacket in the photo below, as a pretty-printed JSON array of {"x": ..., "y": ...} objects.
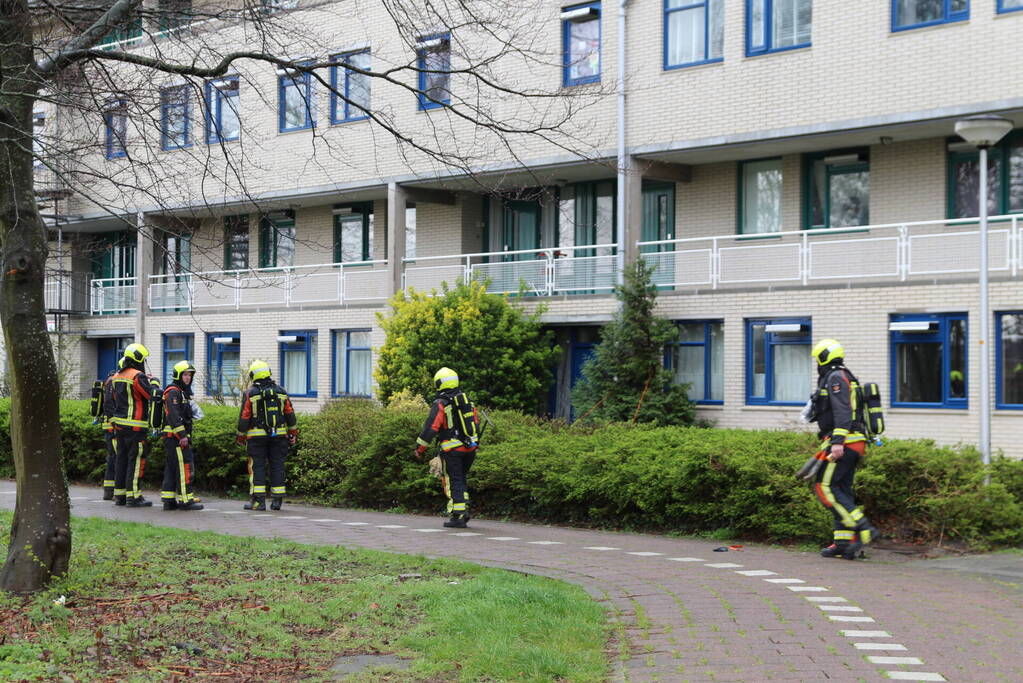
[
  {"x": 132, "y": 394},
  {"x": 266, "y": 411},
  {"x": 440, "y": 425},
  {"x": 836, "y": 406},
  {"x": 177, "y": 410}
]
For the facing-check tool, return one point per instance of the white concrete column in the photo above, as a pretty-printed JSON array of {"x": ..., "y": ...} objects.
[
  {"x": 143, "y": 269},
  {"x": 632, "y": 227},
  {"x": 397, "y": 202}
]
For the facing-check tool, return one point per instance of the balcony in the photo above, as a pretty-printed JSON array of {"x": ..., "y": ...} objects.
[
  {"x": 324, "y": 284},
  {"x": 113, "y": 296},
  {"x": 66, "y": 292}
]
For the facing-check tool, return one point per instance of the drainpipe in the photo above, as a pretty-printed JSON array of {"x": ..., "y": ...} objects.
[{"x": 622, "y": 213}]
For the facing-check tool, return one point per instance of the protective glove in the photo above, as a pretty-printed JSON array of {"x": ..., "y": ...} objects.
[
  {"x": 183, "y": 442},
  {"x": 418, "y": 453},
  {"x": 240, "y": 439},
  {"x": 292, "y": 438},
  {"x": 837, "y": 451}
]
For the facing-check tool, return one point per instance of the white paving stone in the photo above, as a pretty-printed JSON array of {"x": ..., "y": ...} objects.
[
  {"x": 232, "y": 512},
  {"x": 545, "y": 542},
  {"x": 914, "y": 676},
  {"x": 645, "y": 554},
  {"x": 467, "y": 533},
  {"x": 840, "y": 608},
  {"x": 915, "y": 661},
  {"x": 722, "y": 565},
  {"x": 325, "y": 519},
  {"x": 599, "y": 547},
  {"x": 857, "y": 633},
  {"x": 807, "y": 589},
  {"x": 686, "y": 559},
  {"x": 883, "y": 647},
  {"x": 842, "y": 617},
  {"x": 824, "y": 598},
  {"x": 502, "y": 538},
  {"x": 293, "y": 517},
  {"x": 356, "y": 523},
  {"x": 756, "y": 572},
  {"x": 391, "y": 526},
  {"x": 784, "y": 580},
  {"x": 429, "y": 531}
]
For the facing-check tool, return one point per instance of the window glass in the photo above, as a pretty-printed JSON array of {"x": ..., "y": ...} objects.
[
  {"x": 792, "y": 20},
  {"x": 296, "y": 100},
  {"x": 791, "y": 372},
  {"x": 176, "y": 348},
  {"x": 583, "y": 49},
  {"x": 222, "y": 105},
  {"x": 299, "y": 364},
  {"x": 761, "y": 196},
  {"x": 838, "y": 189},
  {"x": 967, "y": 186},
  {"x": 1010, "y": 360},
  {"x": 912, "y": 13},
  {"x": 410, "y": 232},
  {"x": 223, "y": 364},
  {"x": 778, "y": 366},
  {"x": 116, "y": 118},
  {"x": 849, "y": 200},
  {"x": 434, "y": 75},
  {"x": 931, "y": 364},
  {"x": 696, "y": 360},
  {"x": 236, "y": 242},
  {"x": 174, "y": 107}
]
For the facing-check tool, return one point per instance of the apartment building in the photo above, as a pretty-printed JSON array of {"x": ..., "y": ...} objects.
[{"x": 790, "y": 168}]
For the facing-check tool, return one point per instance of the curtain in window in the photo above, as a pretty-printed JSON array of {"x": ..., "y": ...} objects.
[
  {"x": 686, "y": 33},
  {"x": 295, "y": 371},
  {"x": 360, "y": 372},
  {"x": 761, "y": 196},
  {"x": 1012, "y": 358},
  {"x": 792, "y": 22},
  {"x": 791, "y": 372},
  {"x": 689, "y": 369},
  {"x": 967, "y": 185},
  {"x": 584, "y": 49},
  {"x": 717, "y": 362},
  {"x": 226, "y": 381}
]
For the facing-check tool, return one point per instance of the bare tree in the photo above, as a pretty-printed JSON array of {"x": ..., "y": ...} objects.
[{"x": 103, "y": 69}]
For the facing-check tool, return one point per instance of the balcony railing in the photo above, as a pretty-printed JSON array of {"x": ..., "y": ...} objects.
[
  {"x": 66, "y": 292},
  {"x": 113, "y": 296},
  {"x": 330, "y": 283},
  {"x": 895, "y": 252},
  {"x": 589, "y": 269}
]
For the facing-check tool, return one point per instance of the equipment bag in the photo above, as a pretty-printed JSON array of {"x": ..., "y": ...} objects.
[
  {"x": 96, "y": 400},
  {"x": 873, "y": 413},
  {"x": 464, "y": 422},
  {"x": 155, "y": 405},
  {"x": 271, "y": 411}
]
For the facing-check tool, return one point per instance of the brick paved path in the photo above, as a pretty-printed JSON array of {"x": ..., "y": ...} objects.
[{"x": 686, "y": 613}]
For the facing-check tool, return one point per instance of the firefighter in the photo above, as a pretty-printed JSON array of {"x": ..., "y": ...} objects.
[
  {"x": 179, "y": 462},
  {"x": 267, "y": 427},
  {"x": 136, "y": 398},
  {"x": 840, "y": 425},
  {"x": 103, "y": 404},
  {"x": 453, "y": 420}
]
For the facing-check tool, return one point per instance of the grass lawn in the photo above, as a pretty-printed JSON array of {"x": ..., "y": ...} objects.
[{"x": 146, "y": 603}]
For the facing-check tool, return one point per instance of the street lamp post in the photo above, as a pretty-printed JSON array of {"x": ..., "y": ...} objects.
[{"x": 983, "y": 132}]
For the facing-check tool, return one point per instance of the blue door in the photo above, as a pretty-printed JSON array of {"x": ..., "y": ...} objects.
[
  {"x": 109, "y": 352},
  {"x": 581, "y": 352}
]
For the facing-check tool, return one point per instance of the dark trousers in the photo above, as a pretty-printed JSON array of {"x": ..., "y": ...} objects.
[
  {"x": 834, "y": 488},
  {"x": 130, "y": 462},
  {"x": 454, "y": 479},
  {"x": 111, "y": 472},
  {"x": 178, "y": 472},
  {"x": 267, "y": 451}
]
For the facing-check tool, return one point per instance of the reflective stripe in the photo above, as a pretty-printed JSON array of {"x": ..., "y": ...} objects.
[
  {"x": 258, "y": 489},
  {"x": 450, "y": 444},
  {"x": 256, "y": 432},
  {"x": 249, "y": 466},
  {"x": 426, "y": 444},
  {"x": 137, "y": 471},
  {"x": 844, "y": 535},
  {"x": 458, "y": 507},
  {"x": 839, "y": 431},
  {"x": 107, "y": 483},
  {"x": 175, "y": 430},
  {"x": 125, "y": 422},
  {"x": 120, "y": 492},
  {"x": 825, "y": 487},
  {"x": 182, "y": 476},
  {"x": 277, "y": 490},
  {"x": 167, "y": 495}
]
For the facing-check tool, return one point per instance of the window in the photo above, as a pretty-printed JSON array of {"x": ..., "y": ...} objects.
[
  {"x": 694, "y": 32},
  {"x": 908, "y": 14},
  {"x": 223, "y": 364},
  {"x": 174, "y": 115},
  {"x": 271, "y": 6},
  {"x": 116, "y": 126},
  {"x": 778, "y": 361},
  {"x": 174, "y": 13},
  {"x": 760, "y": 184},
  {"x": 174, "y": 255},
  {"x": 698, "y": 359},
  {"x": 1005, "y": 178},
  {"x": 837, "y": 189},
  {"x": 296, "y": 99},
  {"x": 236, "y": 242},
  {"x": 277, "y": 240},
  {"x": 433, "y": 59},
  {"x": 410, "y": 231},
  {"x": 176, "y": 348},
  {"x": 38, "y": 139},
  {"x": 353, "y": 233},
  {"x": 929, "y": 360},
  {"x": 349, "y": 99},
  {"x": 775, "y": 25},
  {"x": 353, "y": 363},
  {"x": 1009, "y": 360},
  {"x": 580, "y": 37},
  {"x": 298, "y": 362},
  {"x": 222, "y": 120},
  {"x": 1009, "y": 6},
  {"x": 124, "y": 35}
]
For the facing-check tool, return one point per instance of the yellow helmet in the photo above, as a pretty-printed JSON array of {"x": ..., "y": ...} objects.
[
  {"x": 827, "y": 351},
  {"x": 180, "y": 368},
  {"x": 136, "y": 352},
  {"x": 259, "y": 370},
  {"x": 446, "y": 378}
]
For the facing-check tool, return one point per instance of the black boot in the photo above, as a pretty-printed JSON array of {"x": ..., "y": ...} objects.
[
  {"x": 139, "y": 502},
  {"x": 275, "y": 504},
  {"x": 866, "y": 535},
  {"x": 190, "y": 505},
  {"x": 120, "y": 500},
  {"x": 835, "y": 549},
  {"x": 257, "y": 503},
  {"x": 170, "y": 504},
  {"x": 108, "y": 493},
  {"x": 457, "y": 522}
]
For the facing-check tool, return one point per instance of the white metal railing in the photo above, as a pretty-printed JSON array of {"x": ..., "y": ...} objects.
[
  {"x": 893, "y": 252},
  {"x": 544, "y": 272},
  {"x": 328, "y": 283},
  {"x": 112, "y": 296},
  {"x": 66, "y": 291}
]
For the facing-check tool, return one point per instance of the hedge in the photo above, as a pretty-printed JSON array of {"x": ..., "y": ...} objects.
[{"x": 727, "y": 482}]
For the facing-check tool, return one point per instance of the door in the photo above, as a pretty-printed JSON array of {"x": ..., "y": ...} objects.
[
  {"x": 108, "y": 352},
  {"x": 521, "y": 229},
  {"x": 113, "y": 260},
  {"x": 659, "y": 224}
]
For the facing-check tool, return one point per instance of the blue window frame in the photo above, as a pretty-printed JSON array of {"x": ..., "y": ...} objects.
[
  {"x": 778, "y": 361},
  {"x": 911, "y": 14},
  {"x": 929, "y": 360},
  {"x": 350, "y": 90},
  {"x": 175, "y": 127},
  {"x": 433, "y": 60},
  {"x": 176, "y": 348},
  {"x": 115, "y": 120},
  {"x": 698, "y": 359},
  {"x": 298, "y": 362},
  {"x": 694, "y": 32},
  {"x": 223, "y": 363},
  {"x": 351, "y": 363},
  {"x": 295, "y": 99},
  {"x": 223, "y": 121},
  {"x": 580, "y": 44},
  {"x": 1005, "y": 6},
  {"x": 1009, "y": 360},
  {"x": 778, "y": 25}
]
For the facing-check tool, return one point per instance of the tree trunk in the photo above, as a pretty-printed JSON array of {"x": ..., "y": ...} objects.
[{"x": 40, "y": 543}]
